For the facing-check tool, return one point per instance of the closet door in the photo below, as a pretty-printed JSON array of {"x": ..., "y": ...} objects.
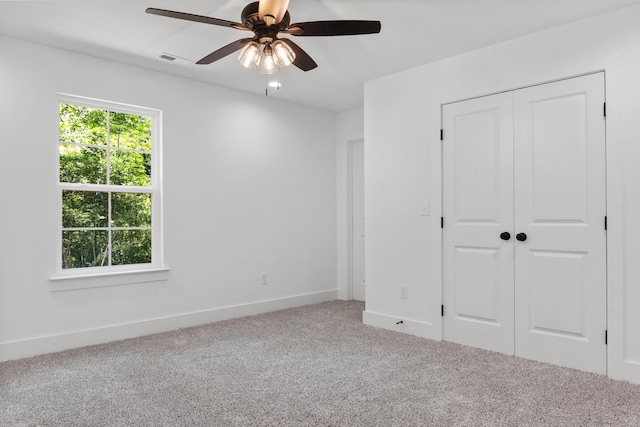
[
  {"x": 478, "y": 209},
  {"x": 560, "y": 287}
]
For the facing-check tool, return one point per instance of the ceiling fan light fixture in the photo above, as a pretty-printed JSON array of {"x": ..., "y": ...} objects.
[
  {"x": 266, "y": 19},
  {"x": 268, "y": 63},
  {"x": 284, "y": 55},
  {"x": 250, "y": 55}
]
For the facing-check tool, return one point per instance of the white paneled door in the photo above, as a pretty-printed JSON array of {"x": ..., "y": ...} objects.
[
  {"x": 478, "y": 208},
  {"x": 530, "y": 163},
  {"x": 560, "y": 207}
]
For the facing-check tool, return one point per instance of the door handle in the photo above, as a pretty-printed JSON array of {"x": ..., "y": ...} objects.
[
  {"x": 505, "y": 236},
  {"x": 521, "y": 237}
]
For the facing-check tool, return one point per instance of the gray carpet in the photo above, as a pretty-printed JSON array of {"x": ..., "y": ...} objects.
[{"x": 309, "y": 366}]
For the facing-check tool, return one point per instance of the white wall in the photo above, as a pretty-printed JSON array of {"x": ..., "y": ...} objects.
[
  {"x": 350, "y": 127},
  {"x": 402, "y": 168},
  {"x": 250, "y": 187}
]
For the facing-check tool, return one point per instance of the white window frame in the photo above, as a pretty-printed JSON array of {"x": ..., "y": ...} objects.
[{"x": 155, "y": 189}]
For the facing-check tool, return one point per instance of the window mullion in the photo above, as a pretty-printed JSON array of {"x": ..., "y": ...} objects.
[
  {"x": 108, "y": 147},
  {"x": 130, "y": 228},
  {"x": 104, "y": 188},
  {"x": 110, "y": 217},
  {"x": 109, "y": 226},
  {"x": 85, "y": 228}
]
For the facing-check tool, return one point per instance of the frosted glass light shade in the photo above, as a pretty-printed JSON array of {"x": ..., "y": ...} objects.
[
  {"x": 268, "y": 64},
  {"x": 250, "y": 55},
  {"x": 284, "y": 55}
]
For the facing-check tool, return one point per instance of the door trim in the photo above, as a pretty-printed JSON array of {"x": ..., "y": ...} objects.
[
  {"x": 350, "y": 284},
  {"x": 559, "y": 79}
]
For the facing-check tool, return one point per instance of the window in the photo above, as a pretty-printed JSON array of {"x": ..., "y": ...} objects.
[{"x": 109, "y": 187}]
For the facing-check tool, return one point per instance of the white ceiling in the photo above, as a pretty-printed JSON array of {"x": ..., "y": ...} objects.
[{"x": 414, "y": 32}]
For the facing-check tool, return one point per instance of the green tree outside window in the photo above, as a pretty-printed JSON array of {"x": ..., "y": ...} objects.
[{"x": 105, "y": 175}]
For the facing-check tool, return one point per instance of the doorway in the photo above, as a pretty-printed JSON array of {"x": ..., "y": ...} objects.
[{"x": 524, "y": 206}]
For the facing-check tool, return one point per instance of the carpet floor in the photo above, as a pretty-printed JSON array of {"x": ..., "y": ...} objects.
[{"x": 316, "y": 365}]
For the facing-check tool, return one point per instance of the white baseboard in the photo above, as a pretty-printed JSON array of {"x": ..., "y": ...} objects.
[
  {"x": 412, "y": 327},
  {"x": 53, "y": 343}
]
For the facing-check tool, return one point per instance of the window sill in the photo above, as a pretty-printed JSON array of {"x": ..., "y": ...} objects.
[{"x": 110, "y": 278}]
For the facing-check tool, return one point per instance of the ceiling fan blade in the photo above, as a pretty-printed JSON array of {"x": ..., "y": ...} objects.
[
  {"x": 303, "y": 60},
  {"x": 224, "y": 51},
  {"x": 196, "y": 18},
  {"x": 272, "y": 11},
  {"x": 334, "y": 28}
]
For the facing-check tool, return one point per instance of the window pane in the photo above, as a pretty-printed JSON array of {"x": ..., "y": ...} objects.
[
  {"x": 129, "y": 168},
  {"x": 131, "y": 209},
  {"x": 82, "y": 249},
  {"x": 83, "y": 165},
  {"x": 131, "y": 247},
  {"x": 107, "y": 150},
  {"x": 130, "y": 131},
  {"x": 84, "y": 209},
  {"x": 83, "y": 125}
]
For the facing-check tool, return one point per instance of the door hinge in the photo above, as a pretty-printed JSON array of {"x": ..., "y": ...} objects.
[
  {"x": 441, "y": 134},
  {"x": 442, "y": 310},
  {"x": 441, "y": 222},
  {"x": 604, "y": 109},
  {"x": 605, "y": 223},
  {"x": 606, "y": 337}
]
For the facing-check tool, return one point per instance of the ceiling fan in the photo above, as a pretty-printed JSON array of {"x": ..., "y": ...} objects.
[{"x": 267, "y": 19}]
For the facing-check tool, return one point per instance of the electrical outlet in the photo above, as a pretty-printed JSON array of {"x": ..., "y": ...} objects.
[
  {"x": 265, "y": 278},
  {"x": 404, "y": 291}
]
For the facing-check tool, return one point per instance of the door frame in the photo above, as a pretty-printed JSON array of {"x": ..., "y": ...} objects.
[
  {"x": 350, "y": 284},
  {"x": 440, "y": 187}
]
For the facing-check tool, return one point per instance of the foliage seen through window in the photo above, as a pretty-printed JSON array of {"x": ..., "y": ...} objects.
[{"x": 105, "y": 177}]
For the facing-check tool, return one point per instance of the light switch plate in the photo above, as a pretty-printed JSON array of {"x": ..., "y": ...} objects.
[{"x": 425, "y": 209}]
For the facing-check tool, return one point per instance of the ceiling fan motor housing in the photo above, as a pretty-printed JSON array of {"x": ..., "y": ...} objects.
[{"x": 250, "y": 18}]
